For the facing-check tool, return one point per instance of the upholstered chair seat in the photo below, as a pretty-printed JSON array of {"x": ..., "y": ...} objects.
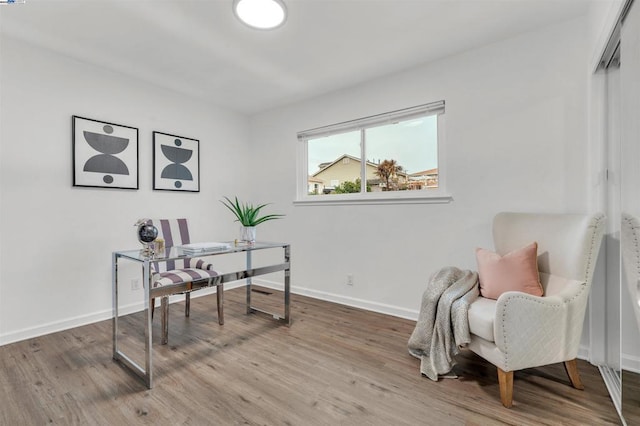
[{"x": 482, "y": 314}]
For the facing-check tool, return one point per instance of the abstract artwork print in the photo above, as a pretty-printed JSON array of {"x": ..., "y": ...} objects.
[
  {"x": 176, "y": 163},
  {"x": 105, "y": 155}
]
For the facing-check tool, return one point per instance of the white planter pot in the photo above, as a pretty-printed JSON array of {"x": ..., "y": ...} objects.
[{"x": 248, "y": 233}]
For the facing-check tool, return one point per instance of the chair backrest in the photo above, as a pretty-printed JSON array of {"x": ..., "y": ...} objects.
[
  {"x": 568, "y": 244},
  {"x": 175, "y": 232}
]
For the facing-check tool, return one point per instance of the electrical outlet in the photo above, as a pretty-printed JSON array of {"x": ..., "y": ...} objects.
[
  {"x": 135, "y": 284},
  {"x": 349, "y": 279}
]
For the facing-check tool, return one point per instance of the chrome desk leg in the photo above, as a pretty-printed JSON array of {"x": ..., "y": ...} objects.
[
  {"x": 287, "y": 285},
  {"x": 248, "y": 283},
  {"x": 114, "y": 283},
  {"x": 148, "y": 329},
  {"x": 144, "y": 373},
  {"x": 286, "y": 267}
]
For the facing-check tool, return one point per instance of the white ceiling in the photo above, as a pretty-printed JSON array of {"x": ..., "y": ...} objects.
[{"x": 197, "y": 47}]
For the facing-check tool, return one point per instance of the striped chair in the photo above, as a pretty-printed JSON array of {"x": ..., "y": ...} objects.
[{"x": 176, "y": 232}]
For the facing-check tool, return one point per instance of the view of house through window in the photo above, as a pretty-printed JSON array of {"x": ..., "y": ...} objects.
[{"x": 398, "y": 156}]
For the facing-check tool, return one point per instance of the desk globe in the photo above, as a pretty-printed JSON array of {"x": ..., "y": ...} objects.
[{"x": 146, "y": 233}]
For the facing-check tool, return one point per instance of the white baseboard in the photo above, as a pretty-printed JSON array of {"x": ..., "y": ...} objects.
[
  {"x": 55, "y": 326},
  {"x": 583, "y": 353},
  {"x": 631, "y": 363},
  {"x": 381, "y": 308}
]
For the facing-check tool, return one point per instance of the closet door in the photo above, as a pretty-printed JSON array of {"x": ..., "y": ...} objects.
[
  {"x": 630, "y": 212},
  {"x": 612, "y": 236}
]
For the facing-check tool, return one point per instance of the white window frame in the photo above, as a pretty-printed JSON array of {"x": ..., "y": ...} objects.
[{"x": 436, "y": 195}]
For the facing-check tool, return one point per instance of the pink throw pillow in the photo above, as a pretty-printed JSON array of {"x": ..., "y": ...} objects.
[{"x": 515, "y": 271}]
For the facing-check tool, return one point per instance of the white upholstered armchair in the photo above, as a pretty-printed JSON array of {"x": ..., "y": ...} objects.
[{"x": 518, "y": 330}]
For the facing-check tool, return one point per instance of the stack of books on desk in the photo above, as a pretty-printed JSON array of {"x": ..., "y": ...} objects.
[{"x": 198, "y": 248}]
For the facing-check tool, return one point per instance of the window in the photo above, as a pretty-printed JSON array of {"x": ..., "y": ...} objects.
[{"x": 400, "y": 149}]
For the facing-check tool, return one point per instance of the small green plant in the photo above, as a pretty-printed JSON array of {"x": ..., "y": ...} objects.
[
  {"x": 350, "y": 187},
  {"x": 247, "y": 214}
]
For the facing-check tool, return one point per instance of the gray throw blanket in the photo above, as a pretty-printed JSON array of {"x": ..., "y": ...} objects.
[{"x": 443, "y": 323}]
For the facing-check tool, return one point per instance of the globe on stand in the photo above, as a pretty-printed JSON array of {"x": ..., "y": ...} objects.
[{"x": 146, "y": 234}]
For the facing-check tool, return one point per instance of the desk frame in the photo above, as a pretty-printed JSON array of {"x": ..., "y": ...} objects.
[{"x": 146, "y": 373}]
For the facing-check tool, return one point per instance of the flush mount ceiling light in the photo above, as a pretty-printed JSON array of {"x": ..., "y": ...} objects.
[{"x": 260, "y": 14}]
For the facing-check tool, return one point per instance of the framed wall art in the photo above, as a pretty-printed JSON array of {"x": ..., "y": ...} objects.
[
  {"x": 176, "y": 163},
  {"x": 105, "y": 154}
]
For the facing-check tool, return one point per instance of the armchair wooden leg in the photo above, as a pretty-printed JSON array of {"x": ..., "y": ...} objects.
[
  {"x": 574, "y": 375},
  {"x": 505, "y": 379},
  {"x": 187, "y": 303},
  {"x": 165, "y": 320},
  {"x": 220, "y": 297}
]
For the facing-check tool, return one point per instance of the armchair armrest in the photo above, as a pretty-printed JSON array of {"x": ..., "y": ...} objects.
[{"x": 534, "y": 331}]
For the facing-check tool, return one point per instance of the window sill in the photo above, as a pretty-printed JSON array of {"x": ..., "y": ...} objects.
[{"x": 337, "y": 200}]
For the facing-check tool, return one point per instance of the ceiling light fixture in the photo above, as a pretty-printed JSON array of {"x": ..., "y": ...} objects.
[{"x": 260, "y": 14}]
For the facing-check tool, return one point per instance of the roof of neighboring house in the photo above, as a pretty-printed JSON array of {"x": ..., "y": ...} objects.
[
  {"x": 316, "y": 180},
  {"x": 425, "y": 173},
  {"x": 324, "y": 166}
]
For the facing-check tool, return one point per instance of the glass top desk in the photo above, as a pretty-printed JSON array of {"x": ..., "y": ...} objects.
[{"x": 174, "y": 253}]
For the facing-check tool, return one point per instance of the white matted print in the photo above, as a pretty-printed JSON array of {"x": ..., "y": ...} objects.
[
  {"x": 105, "y": 155},
  {"x": 176, "y": 163}
]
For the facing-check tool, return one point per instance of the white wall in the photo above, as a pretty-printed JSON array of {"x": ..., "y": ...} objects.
[
  {"x": 57, "y": 239},
  {"x": 516, "y": 132}
]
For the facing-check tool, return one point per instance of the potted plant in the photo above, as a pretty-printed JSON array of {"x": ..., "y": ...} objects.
[{"x": 249, "y": 217}]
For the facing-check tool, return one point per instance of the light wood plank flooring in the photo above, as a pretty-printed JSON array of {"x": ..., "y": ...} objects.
[{"x": 334, "y": 366}]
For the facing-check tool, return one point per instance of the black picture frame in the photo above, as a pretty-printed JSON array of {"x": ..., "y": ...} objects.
[
  {"x": 176, "y": 163},
  {"x": 105, "y": 155}
]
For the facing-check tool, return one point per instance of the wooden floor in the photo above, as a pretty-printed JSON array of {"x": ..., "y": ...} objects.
[
  {"x": 335, "y": 365},
  {"x": 631, "y": 397}
]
